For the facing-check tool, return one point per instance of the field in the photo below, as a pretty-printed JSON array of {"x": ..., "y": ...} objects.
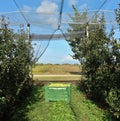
[
  {"x": 56, "y": 69},
  {"x": 55, "y": 72},
  {"x": 78, "y": 109}
]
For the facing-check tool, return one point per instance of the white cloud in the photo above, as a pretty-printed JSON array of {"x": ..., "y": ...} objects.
[
  {"x": 26, "y": 8},
  {"x": 69, "y": 59},
  {"x": 47, "y": 7},
  {"x": 46, "y": 11}
]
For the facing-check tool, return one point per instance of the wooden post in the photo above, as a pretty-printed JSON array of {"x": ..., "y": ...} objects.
[
  {"x": 87, "y": 30},
  {"x": 28, "y": 32}
]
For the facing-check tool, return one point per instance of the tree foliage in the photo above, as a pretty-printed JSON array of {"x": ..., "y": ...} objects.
[
  {"x": 117, "y": 12},
  {"x": 15, "y": 61},
  {"x": 77, "y": 42},
  {"x": 99, "y": 55}
]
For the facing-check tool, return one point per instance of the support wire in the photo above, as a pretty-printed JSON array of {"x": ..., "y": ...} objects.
[{"x": 60, "y": 14}]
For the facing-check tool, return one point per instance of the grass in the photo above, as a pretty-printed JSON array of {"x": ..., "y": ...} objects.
[
  {"x": 56, "y": 69},
  {"x": 78, "y": 109}
]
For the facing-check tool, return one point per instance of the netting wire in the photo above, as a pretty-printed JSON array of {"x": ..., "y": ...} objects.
[
  {"x": 21, "y": 11},
  {"x": 39, "y": 54},
  {"x": 59, "y": 25},
  {"x": 38, "y": 57}
]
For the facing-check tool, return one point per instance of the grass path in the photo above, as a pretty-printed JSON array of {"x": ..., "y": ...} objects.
[{"x": 79, "y": 109}]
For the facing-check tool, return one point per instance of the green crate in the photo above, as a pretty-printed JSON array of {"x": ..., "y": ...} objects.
[{"x": 57, "y": 92}]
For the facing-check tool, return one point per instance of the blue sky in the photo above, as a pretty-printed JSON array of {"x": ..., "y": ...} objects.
[{"x": 46, "y": 22}]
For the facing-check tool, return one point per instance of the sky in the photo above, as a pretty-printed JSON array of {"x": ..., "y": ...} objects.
[{"x": 44, "y": 17}]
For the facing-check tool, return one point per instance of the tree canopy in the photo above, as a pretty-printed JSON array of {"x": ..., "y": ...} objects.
[
  {"x": 99, "y": 54},
  {"x": 15, "y": 62}
]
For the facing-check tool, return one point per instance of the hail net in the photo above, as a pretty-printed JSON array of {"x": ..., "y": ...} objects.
[{"x": 43, "y": 26}]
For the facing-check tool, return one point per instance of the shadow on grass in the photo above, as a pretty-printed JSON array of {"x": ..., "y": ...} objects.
[
  {"x": 75, "y": 73},
  {"x": 20, "y": 113}
]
